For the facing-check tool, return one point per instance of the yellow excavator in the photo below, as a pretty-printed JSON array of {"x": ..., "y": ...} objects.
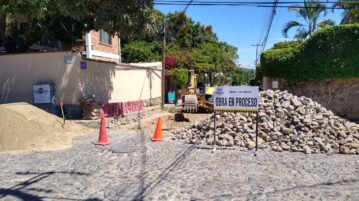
[{"x": 197, "y": 100}]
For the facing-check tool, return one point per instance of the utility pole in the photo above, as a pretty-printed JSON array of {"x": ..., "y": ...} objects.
[
  {"x": 163, "y": 65},
  {"x": 257, "y": 46}
]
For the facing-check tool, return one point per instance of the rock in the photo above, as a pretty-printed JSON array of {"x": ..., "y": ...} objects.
[
  {"x": 193, "y": 141},
  {"x": 262, "y": 114},
  {"x": 287, "y": 131},
  {"x": 230, "y": 142},
  {"x": 307, "y": 121},
  {"x": 250, "y": 145},
  {"x": 296, "y": 102},
  {"x": 307, "y": 149},
  {"x": 277, "y": 148},
  {"x": 286, "y": 123},
  {"x": 229, "y": 126},
  {"x": 344, "y": 150},
  {"x": 284, "y": 146},
  {"x": 209, "y": 133},
  {"x": 269, "y": 93},
  {"x": 222, "y": 142},
  {"x": 266, "y": 129},
  {"x": 354, "y": 145},
  {"x": 294, "y": 138},
  {"x": 210, "y": 140},
  {"x": 245, "y": 136},
  {"x": 285, "y": 104}
]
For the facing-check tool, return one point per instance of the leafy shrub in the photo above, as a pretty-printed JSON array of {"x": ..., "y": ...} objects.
[
  {"x": 180, "y": 76},
  {"x": 286, "y": 44},
  {"x": 140, "y": 51},
  {"x": 332, "y": 52}
]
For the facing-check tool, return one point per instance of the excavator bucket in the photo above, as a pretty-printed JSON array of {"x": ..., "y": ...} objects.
[{"x": 190, "y": 103}]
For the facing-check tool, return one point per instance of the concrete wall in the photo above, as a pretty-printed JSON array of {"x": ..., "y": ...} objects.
[
  {"x": 111, "y": 83},
  {"x": 339, "y": 95}
]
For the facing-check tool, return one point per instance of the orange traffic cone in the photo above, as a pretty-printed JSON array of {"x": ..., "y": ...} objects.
[
  {"x": 102, "y": 139},
  {"x": 158, "y": 132}
]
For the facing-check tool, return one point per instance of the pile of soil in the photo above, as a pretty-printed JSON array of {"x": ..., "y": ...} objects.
[{"x": 24, "y": 127}]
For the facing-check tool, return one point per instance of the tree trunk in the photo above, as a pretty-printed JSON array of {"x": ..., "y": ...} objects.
[{"x": 3, "y": 29}]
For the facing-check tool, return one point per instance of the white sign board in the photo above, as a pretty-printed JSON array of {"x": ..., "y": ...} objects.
[
  {"x": 236, "y": 98},
  {"x": 42, "y": 93}
]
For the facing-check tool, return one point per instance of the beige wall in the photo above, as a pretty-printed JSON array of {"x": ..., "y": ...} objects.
[{"x": 110, "y": 83}]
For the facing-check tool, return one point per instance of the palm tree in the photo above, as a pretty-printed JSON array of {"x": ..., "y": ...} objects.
[
  {"x": 351, "y": 10},
  {"x": 310, "y": 12}
]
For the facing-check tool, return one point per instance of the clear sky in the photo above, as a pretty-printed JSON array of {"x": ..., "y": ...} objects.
[{"x": 242, "y": 27}]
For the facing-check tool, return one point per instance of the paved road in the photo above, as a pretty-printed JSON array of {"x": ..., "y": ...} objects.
[{"x": 133, "y": 168}]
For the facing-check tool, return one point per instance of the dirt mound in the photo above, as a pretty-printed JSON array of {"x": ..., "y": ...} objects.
[{"x": 24, "y": 127}]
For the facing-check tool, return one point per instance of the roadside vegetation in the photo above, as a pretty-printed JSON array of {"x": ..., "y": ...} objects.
[
  {"x": 329, "y": 53},
  {"x": 66, "y": 21},
  {"x": 189, "y": 45},
  {"x": 320, "y": 50}
]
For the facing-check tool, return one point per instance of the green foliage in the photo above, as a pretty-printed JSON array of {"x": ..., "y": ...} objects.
[
  {"x": 59, "y": 18},
  {"x": 237, "y": 79},
  {"x": 310, "y": 13},
  {"x": 332, "y": 52},
  {"x": 241, "y": 78},
  {"x": 257, "y": 81},
  {"x": 180, "y": 76},
  {"x": 350, "y": 11},
  {"x": 139, "y": 51},
  {"x": 286, "y": 44},
  {"x": 194, "y": 45},
  {"x": 214, "y": 56},
  {"x": 186, "y": 33}
]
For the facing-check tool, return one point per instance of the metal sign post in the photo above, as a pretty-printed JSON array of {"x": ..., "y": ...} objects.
[
  {"x": 214, "y": 134},
  {"x": 257, "y": 119},
  {"x": 236, "y": 99}
]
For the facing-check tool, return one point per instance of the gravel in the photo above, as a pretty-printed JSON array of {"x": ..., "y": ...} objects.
[
  {"x": 133, "y": 168},
  {"x": 286, "y": 123}
]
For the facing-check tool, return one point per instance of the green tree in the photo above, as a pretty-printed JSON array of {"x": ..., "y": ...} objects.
[
  {"x": 180, "y": 79},
  {"x": 214, "y": 56},
  {"x": 193, "y": 44},
  {"x": 351, "y": 11},
  {"x": 180, "y": 76},
  {"x": 310, "y": 12},
  {"x": 140, "y": 51},
  {"x": 126, "y": 17}
]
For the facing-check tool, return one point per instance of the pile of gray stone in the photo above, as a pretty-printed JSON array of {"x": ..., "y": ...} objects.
[{"x": 286, "y": 123}]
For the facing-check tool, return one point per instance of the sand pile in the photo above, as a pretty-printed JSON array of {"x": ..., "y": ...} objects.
[{"x": 24, "y": 127}]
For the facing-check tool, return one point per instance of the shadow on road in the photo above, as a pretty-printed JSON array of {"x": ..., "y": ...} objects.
[
  {"x": 178, "y": 159},
  {"x": 23, "y": 192}
]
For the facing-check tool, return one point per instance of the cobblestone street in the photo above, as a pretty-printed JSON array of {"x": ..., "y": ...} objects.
[{"x": 133, "y": 168}]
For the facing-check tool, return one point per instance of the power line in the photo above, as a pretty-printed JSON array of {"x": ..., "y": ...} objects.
[
  {"x": 258, "y": 6},
  {"x": 257, "y": 46},
  {"x": 270, "y": 22},
  {"x": 189, "y": 3},
  {"x": 246, "y": 4}
]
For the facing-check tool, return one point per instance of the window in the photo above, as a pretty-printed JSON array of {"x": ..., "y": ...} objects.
[{"x": 105, "y": 37}]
